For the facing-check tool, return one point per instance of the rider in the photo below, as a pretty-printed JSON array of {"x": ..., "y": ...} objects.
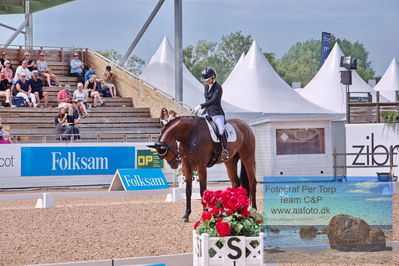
[{"x": 213, "y": 95}]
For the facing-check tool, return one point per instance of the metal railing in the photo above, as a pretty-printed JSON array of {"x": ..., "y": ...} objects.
[{"x": 84, "y": 137}]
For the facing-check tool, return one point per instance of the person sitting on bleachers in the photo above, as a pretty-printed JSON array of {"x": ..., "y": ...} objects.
[
  {"x": 22, "y": 69},
  {"x": 37, "y": 89},
  {"x": 24, "y": 90},
  {"x": 30, "y": 64},
  {"x": 164, "y": 117},
  {"x": 108, "y": 87},
  {"x": 91, "y": 86},
  {"x": 5, "y": 82},
  {"x": 4, "y": 58},
  {"x": 45, "y": 71},
  {"x": 66, "y": 121},
  {"x": 80, "y": 98},
  {"x": 90, "y": 73},
  {"x": 64, "y": 99},
  {"x": 76, "y": 67}
]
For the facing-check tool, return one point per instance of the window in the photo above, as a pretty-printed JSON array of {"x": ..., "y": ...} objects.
[{"x": 300, "y": 141}]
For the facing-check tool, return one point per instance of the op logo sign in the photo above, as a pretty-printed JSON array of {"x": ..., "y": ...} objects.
[{"x": 148, "y": 159}]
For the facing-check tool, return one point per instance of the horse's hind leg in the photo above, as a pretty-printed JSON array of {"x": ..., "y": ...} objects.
[
  {"x": 231, "y": 167},
  {"x": 250, "y": 171}
]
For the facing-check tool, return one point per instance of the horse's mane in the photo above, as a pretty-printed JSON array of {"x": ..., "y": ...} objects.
[{"x": 175, "y": 120}]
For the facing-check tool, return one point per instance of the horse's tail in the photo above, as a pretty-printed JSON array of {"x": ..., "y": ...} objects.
[{"x": 244, "y": 177}]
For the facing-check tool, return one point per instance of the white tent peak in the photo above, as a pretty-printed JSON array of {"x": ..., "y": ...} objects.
[
  {"x": 255, "y": 86},
  {"x": 333, "y": 59},
  {"x": 164, "y": 53},
  {"x": 389, "y": 82},
  {"x": 325, "y": 89},
  {"x": 160, "y": 72}
]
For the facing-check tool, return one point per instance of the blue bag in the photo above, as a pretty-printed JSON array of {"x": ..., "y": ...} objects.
[{"x": 18, "y": 101}]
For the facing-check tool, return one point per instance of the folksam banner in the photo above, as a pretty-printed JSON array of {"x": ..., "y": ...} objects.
[
  {"x": 325, "y": 46},
  {"x": 138, "y": 179},
  {"x": 50, "y": 161}
]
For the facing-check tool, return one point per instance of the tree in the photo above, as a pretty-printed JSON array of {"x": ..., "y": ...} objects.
[
  {"x": 233, "y": 45},
  {"x": 134, "y": 64},
  {"x": 221, "y": 56},
  {"x": 302, "y": 61}
]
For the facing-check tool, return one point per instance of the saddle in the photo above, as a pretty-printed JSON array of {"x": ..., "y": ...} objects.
[{"x": 213, "y": 130}]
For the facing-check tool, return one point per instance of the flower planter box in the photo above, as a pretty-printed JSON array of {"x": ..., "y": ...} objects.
[{"x": 236, "y": 250}]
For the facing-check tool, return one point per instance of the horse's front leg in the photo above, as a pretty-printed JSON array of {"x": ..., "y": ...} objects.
[
  {"x": 188, "y": 174},
  {"x": 202, "y": 179}
]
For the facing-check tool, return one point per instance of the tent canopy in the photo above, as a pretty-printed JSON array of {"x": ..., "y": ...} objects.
[
  {"x": 160, "y": 72},
  {"x": 325, "y": 89},
  {"x": 255, "y": 86},
  {"x": 389, "y": 83}
]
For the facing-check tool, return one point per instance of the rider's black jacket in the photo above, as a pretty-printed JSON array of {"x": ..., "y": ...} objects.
[{"x": 213, "y": 99}]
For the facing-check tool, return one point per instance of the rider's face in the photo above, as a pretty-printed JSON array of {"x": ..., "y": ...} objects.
[{"x": 209, "y": 81}]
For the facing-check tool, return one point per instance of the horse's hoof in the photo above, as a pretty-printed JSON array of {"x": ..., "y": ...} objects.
[{"x": 185, "y": 219}]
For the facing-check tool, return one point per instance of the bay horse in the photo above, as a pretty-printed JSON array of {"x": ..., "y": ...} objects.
[{"x": 195, "y": 150}]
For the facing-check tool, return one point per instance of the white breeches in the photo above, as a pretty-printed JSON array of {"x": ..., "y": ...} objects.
[{"x": 219, "y": 121}]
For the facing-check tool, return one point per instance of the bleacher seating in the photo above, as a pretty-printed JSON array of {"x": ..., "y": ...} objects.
[{"x": 118, "y": 120}]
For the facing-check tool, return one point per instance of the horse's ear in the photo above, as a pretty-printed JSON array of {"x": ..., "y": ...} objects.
[{"x": 151, "y": 146}]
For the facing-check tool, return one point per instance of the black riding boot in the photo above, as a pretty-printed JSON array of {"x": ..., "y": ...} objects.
[{"x": 223, "y": 141}]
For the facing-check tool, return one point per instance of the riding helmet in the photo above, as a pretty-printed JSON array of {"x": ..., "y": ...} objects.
[{"x": 207, "y": 73}]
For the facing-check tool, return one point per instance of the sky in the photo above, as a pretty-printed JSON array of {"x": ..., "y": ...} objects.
[{"x": 276, "y": 25}]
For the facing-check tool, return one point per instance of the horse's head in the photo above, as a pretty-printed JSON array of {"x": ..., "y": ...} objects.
[{"x": 168, "y": 151}]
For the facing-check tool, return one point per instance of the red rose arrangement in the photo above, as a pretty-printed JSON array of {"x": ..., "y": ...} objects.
[{"x": 227, "y": 213}]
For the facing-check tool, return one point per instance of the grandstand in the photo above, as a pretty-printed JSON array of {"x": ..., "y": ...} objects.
[{"x": 132, "y": 117}]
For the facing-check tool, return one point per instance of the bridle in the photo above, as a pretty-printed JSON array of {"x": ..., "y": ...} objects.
[{"x": 162, "y": 149}]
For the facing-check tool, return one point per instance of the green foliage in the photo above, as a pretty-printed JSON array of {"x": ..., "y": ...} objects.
[
  {"x": 390, "y": 117},
  {"x": 134, "y": 64},
  {"x": 302, "y": 61},
  {"x": 221, "y": 56}
]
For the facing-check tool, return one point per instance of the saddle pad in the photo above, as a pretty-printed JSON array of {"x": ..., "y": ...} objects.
[{"x": 231, "y": 132}]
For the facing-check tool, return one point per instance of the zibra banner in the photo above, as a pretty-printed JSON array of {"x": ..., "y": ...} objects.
[
  {"x": 325, "y": 46},
  {"x": 50, "y": 161}
]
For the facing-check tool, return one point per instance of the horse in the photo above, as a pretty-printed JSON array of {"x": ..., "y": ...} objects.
[{"x": 187, "y": 140}]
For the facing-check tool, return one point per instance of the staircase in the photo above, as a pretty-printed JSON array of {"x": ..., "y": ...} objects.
[{"x": 118, "y": 120}]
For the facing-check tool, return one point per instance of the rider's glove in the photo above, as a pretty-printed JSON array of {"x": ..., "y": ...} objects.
[{"x": 196, "y": 109}]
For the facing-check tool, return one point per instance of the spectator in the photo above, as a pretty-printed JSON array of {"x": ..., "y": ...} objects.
[
  {"x": 24, "y": 90},
  {"x": 22, "y": 69},
  {"x": 67, "y": 123},
  {"x": 172, "y": 115},
  {"x": 90, "y": 73},
  {"x": 76, "y": 67},
  {"x": 164, "y": 117},
  {"x": 30, "y": 64},
  {"x": 37, "y": 89},
  {"x": 5, "y": 82},
  {"x": 108, "y": 82},
  {"x": 80, "y": 98},
  {"x": 64, "y": 99},
  {"x": 3, "y": 59},
  {"x": 91, "y": 86},
  {"x": 46, "y": 72}
]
